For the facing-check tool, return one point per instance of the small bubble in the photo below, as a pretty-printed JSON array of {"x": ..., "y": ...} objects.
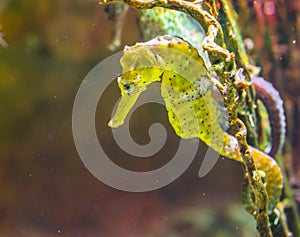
[
  {"x": 249, "y": 43},
  {"x": 203, "y": 194},
  {"x": 50, "y": 137}
]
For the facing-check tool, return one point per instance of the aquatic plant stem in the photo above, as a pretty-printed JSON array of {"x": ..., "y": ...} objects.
[
  {"x": 234, "y": 97},
  {"x": 255, "y": 182}
]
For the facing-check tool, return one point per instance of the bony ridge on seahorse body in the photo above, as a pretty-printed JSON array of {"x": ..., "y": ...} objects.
[{"x": 188, "y": 90}]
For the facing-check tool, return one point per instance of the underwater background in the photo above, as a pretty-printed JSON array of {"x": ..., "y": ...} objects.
[{"x": 45, "y": 188}]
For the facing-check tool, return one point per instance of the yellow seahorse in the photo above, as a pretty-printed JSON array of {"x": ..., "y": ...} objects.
[{"x": 191, "y": 99}]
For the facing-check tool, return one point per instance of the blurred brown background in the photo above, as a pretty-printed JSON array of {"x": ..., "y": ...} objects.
[{"x": 45, "y": 188}]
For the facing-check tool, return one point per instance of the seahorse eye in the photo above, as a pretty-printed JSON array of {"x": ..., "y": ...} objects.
[{"x": 128, "y": 87}]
